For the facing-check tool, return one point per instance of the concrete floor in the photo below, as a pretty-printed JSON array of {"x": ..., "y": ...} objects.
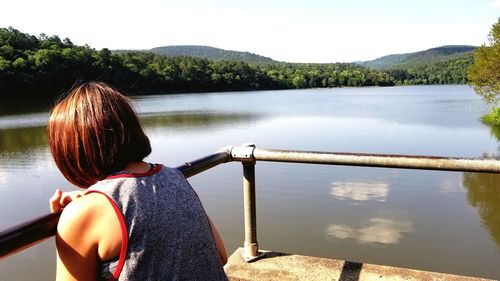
[{"x": 280, "y": 266}]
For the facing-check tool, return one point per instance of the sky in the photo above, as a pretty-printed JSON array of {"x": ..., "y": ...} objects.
[{"x": 316, "y": 31}]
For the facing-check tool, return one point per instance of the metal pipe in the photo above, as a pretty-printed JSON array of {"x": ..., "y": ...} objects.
[
  {"x": 244, "y": 154},
  {"x": 379, "y": 160},
  {"x": 197, "y": 166},
  {"x": 27, "y": 234},
  {"x": 32, "y": 232},
  {"x": 250, "y": 249}
]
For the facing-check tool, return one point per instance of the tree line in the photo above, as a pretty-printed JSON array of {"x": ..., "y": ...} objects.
[
  {"x": 452, "y": 71},
  {"x": 44, "y": 66},
  {"x": 484, "y": 75}
]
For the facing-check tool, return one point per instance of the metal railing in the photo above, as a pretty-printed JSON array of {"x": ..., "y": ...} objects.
[{"x": 19, "y": 237}]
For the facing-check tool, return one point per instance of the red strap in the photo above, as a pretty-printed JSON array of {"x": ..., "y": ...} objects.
[
  {"x": 156, "y": 168},
  {"x": 123, "y": 226}
]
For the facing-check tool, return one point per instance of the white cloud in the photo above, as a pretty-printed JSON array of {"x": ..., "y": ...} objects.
[
  {"x": 496, "y": 3},
  {"x": 377, "y": 230},
  {"x": 360, "y": 191}
]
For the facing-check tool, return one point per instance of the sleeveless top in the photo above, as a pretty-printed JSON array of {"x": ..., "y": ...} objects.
[{"x": 165, "y": 231}]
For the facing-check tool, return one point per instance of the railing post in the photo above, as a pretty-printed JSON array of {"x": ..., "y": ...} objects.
[
  {"x": 244, "y": 153},
  {"x": 251, "y": 247}
]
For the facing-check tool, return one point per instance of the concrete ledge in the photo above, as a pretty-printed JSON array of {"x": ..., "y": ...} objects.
[{"x": 280, "y": 266}]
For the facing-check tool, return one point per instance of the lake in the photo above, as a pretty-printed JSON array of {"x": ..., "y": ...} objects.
[{"x": 430, "y": 220}]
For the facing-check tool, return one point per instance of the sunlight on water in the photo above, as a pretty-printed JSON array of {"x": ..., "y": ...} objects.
[{"x": 23, "y": 121}]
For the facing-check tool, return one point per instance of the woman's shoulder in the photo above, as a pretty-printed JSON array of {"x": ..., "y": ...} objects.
[
  {"x": 78, "y": 237},
  {"x": 81, "y": 212}
]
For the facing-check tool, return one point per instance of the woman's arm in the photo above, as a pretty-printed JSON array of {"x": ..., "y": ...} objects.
[
  {"x": 219, "y": 243},
  {"x": 76, "y": 243}
]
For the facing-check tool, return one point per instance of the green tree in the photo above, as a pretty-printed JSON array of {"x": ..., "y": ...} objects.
[
  {"x": 484, "y": 75},
  {"x": 299, "y": 81}
]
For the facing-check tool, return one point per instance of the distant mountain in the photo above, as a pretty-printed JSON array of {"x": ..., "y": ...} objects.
[
  {"x": 429, "y": 56},
  {"x": 210, "y": 53}
]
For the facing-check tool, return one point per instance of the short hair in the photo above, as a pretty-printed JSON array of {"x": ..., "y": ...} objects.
[{"x": 94, "y": 132}]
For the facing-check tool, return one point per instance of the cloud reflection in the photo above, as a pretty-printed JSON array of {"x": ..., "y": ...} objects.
[
  {"x": 450, "y": 185},
  {"x": 377, "y": 230},
  {"x": 340, "y": 231},
  {"x": 360, "y": 191}
]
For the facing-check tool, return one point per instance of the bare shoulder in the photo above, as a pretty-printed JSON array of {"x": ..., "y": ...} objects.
[
  {"x": 81, "y": 213},
  {"x": 77, "y": 239}
]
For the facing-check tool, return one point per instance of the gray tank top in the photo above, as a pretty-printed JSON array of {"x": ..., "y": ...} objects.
[{"x": 165, "y": 229}]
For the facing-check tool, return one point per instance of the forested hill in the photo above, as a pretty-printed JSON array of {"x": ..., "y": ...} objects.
[
  {"x": 209, "y": 53},
  {"x": 430, "y": 56},
  {"x": 205, "y": 52},
  {"x": 44, "y": 66}
]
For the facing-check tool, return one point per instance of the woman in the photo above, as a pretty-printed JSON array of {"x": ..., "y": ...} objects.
[{"x": 136, "y": 221}]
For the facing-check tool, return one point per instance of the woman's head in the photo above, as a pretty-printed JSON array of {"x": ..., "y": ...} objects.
[{"x": 93, "y": 132}]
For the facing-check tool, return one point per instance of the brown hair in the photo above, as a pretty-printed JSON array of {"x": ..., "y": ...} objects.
[{"x": 93, "y": 132}]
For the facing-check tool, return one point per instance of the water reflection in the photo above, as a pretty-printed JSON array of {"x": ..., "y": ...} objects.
[
  {"x": 376, "y": 230},
  {"x": 483, "y": 193},
  {"x": 22, "y": 139},
  {"x": 360, "y": 191},
  {"x": 495, "y": 132},
  {"x": 19, "y": 139},
  {"x": 450, "y": 185},
  {"x": 193, "y": 120}
]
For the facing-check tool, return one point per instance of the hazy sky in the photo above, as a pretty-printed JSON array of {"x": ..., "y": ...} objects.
[{"x": 292, "y": 30}]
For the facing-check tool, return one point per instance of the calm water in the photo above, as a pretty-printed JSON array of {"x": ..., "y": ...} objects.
[{"x": 437, "y": 221}]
